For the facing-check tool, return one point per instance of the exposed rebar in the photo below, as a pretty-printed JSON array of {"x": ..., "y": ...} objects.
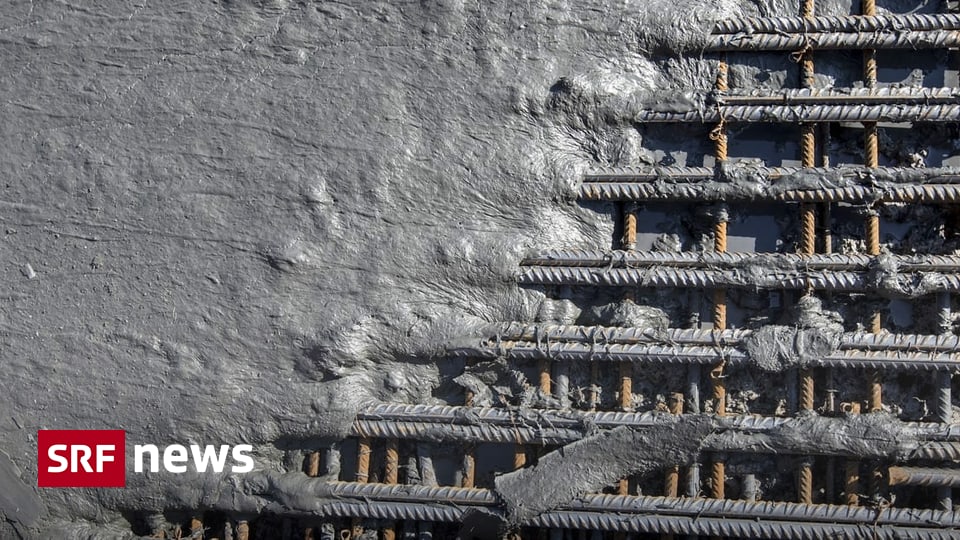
[
  {"x": 839, "y": 23},
  {"x": 750, "y": 487},
  {"x": 678, "y": 354},
  {"x": 808, "y": 238},
  {"x": 469, "y": 467},
  {"x": 766, "y": 175},
  {"x": 945, "y": 378},
  {"x": 625, "y": 392},
  {"x": 805, "y": 481},
  {"x": 939, "y": 443},
  {"x": 391, "y": 475},
  {"x": 624, "y": 191},
  {"x": 713, "y": 259},
  {"x": 668, "y": 506},
  {"x": 908, "y": 39},
  {"x": 363, "y": 459},
  {"x": 671, "y": 485},
  {"x": 544, "y": 377},
  {"x": 662, "y": 518},
  {"x": 823, "y": 111},
  {"x": 897, "y": 285},
  {"x": 924, "y": 476},
  {"x": 629, "y": 240}
]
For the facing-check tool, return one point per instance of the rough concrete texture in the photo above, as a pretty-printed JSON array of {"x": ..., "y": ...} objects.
[
  {"x": 593, "y": 463},
  {"x": 239, "y": 221}
]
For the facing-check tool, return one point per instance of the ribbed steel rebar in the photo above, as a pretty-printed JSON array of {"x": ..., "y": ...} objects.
[
  {"x": 709, "y": 192},
  {"x": 560, "y": 427},
  {"x": 771, "y": 278},
  {"x": 410, "y": 493},
  {"x": 937, "y": 451},
  {"x": 944, "y": 343},
  {"x": 924, "y": 476},
  {"x": 464, "y": 433},
  {"x": 666, "y": 354},
  {"x": 454, "y": 415},
  {"x": 771, "y": 174},
  {"x": 390, "y": 510},
  {"x": 639, "y": 523},
  {"x": 823, "y": 111},
  {"x": 729, "y": 527},
  {"x": 834, "y": 96},
  {"x": 664, "y": 506},
  {"x": 907, "y": 39},
  {"x": 839, "y": 23},
  {"x": 713, "y": 259},
  {"x": 765, "y": 510}
]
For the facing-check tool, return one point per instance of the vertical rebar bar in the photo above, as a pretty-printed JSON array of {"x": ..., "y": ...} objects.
[
  {"x": 717, "y": 469},
  {"x": 718, "y": 478},
  {"x": 693, "y": 480},
  {"x": 693, "y": 389},
  {"x": 544, "y": 381},
  {"x": 519, "y": 457},
  {"x": 671, "y": 483},
  {"x": 750, "y": 488},
  {"x": 593, "y": 394},
  {"x": 196, "y": 528},
  {"x": 313, "y": 470},
  {"x": 945, "y": 387},
  {"x": 873, "y": 248},
  {"x": 428, "y": 474},
  {"x": 363, "y": 459},
  {"x": 629, "y": 240},
  {"x": 808, "y": 239},
  {"x": 805, "y": 481},
  {"x": 469, "y": 452},
  {"x": 469, "y": 467},
  {"x": 626, "y": 368},
  {"x": 626, "y": 386},
  {"x": 852, "y": 477},
  {"x": 391, "y": 475},
  {"x": 363, "y": 475},
  {"x": 561, "y": 386},
  {"x": 945, "y": 378},
  {"x": 872, "y": 159}
]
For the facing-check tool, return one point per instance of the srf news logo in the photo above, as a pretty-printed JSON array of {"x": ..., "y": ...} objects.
[{"x": 97, "y": 458}]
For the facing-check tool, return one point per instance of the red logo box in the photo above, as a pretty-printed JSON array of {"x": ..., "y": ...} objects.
[{"x": 81, "y": 458}]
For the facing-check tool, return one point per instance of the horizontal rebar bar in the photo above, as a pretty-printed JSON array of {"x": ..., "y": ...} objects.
[
  {"x": 668, "y": 354},
  {"x": 924, "y": 476},
  {"x": 820, "y": 111},
  {"x": 450, "y": 414},
  {"x": 667, "y": 506},
  {"x": 730, "y": 527},
  {"x": 533, "y": 425},
  {"x": 711, "y": 191},
  {"x": 908, "y": 39},
  {"x": 941, "y": 343},
  {"x": 713, "y": 259},
  {"x": 409, "y": 493},
  {"x": 730, "y": 172},
  {"x": 464, "y": 433},
  {"x": 836, "y": 96},
  {"x": 905, "y": 285},
  {"x": 371, "y": 508},
  {"x": 840, "y": 23}
]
